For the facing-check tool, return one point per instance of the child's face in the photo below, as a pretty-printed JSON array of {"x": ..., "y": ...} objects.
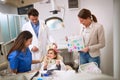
[{"x": 51, "y": 54}]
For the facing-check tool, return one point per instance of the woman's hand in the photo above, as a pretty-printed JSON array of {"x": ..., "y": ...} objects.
[
  {"x": 14, "y": 71},
  {"x": 86, "y": 49}
]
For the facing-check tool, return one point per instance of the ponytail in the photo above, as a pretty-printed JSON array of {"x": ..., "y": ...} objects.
[{"x": 93, "y": 17}]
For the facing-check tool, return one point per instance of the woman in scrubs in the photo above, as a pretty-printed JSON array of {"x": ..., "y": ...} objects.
[{"x": 19, "y": 56}]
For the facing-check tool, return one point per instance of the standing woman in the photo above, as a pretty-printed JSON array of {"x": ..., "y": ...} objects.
[
  {"x": 19, "y": 56},
  {"x": 93, "y": 36}
]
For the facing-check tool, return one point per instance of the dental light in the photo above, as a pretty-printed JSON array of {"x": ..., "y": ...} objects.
[{"x": 55, "y": 9}]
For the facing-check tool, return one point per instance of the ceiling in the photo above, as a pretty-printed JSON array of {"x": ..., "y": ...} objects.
[{"x": 20, "y": 3}]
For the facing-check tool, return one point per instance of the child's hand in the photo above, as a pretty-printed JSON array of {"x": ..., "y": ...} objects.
[
  {"x": 57, "y": 62},
  {"x": 45, "y": 65},
  {"x": 41, "y": 59}
]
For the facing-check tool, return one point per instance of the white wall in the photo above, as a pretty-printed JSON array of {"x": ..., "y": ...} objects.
[
  {"x": 116, "y": 39},
  {"x": 103, "y": 9}
]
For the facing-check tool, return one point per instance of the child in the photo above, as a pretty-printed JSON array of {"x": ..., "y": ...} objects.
[{"x": 53, "y": 61}]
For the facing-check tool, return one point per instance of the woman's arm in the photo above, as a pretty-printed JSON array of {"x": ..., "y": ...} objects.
[{"x": 36, "y": 61}]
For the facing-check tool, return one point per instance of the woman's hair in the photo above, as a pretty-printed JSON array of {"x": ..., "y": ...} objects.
[
  {"x": 85, "y": 13},
  {"x": 19, "y": 43},
  {"x": 55, "y": 53},
  {"x": 33, "y": 12}
]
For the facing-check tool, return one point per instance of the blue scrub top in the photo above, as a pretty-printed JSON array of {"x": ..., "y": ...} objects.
[{"x": 20, "y": 60}]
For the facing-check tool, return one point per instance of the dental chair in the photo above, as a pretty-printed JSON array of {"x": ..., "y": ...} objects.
[{"x": 3, "y": 62}]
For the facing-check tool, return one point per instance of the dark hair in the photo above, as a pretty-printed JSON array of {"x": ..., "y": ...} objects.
[
  {"x": 33, "y": 12},
  {"x": 85, "y": 13},
  {"x": 54, "y": 52},
  {"x": 19, "y": 43}
]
